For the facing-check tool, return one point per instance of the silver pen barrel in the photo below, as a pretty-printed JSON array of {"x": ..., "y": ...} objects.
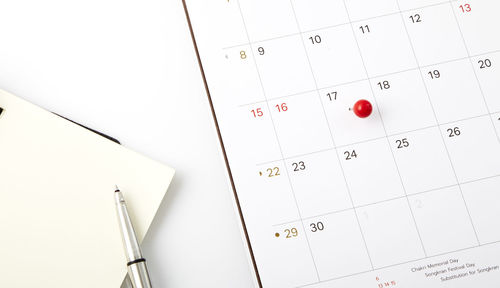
[{"x": 136, "y": 264}]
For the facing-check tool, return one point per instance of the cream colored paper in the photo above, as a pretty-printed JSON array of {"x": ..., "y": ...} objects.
[{"x": 58, "y": 224}]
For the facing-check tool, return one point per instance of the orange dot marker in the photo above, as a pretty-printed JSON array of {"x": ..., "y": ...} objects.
[{"x": 363, "y": 108}]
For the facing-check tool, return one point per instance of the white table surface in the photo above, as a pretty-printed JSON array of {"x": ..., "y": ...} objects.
[{"x": 128, "y": 69}]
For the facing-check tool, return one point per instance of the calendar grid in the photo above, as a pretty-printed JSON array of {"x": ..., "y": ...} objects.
[
  {"x": 394, "y": 265},
  {"x": 331, "y": 135},
  {"x": 379, "y": 138},
  {"x": 415, "y": 169},
  {"x": 335, "y": 147},
  {"x": 474, "y": 70},
  {"x": 334, "y": 26},
  {"x": 375, "y": 76},
  {"x": 280, "y": 147},
  {"x": 388, "y": 200},
  {"x": 385, "y": 130},
  {"x": 436, "y": 118}
]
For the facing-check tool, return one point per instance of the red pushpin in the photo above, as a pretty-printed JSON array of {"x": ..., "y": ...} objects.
[{"x": 363, "y": 108}]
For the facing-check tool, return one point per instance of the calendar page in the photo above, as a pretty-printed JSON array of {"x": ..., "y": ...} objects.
[{"x": 362, "y": 137}]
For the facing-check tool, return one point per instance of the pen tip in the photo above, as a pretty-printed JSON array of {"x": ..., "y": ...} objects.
[{"x": 117, "y": 189}]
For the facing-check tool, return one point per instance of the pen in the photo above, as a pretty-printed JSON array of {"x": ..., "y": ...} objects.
[{"x": 136, "y": 264}]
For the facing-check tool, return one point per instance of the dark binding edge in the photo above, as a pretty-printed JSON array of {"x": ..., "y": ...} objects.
[
  {"x": 202, "y": 70},
  {"x": 90, "y": 129}
]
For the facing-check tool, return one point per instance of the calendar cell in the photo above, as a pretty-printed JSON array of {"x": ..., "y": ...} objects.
[
  {"x": 405, "y": 105},
  {"x": 246, "y": 86},
  {"x": 384, "y": 45},
  {"x": 272, "y": 193},
  {"x": 418, "y": 4},
  {"x": 474, "y": 148},
  {"x": 454, "y": 91},
  {"x": 368, "y": 165},
  {"x": 283, "y": 73},
  {"x": 422, "y": 160},
  {"x": 260, "y": 19},
  {"x": 361, "y": 9},
  {"x": 301, "y": 125},
  {"x": 436, "y": 25},
  {"x": 488, "y": 72},
  {"x": 482, "y": 198},
  {"x": 346, "y": 127},
  {"x": 254, "y": 128},
  {"x": 478, "y": 21},
  {"x": 290, "y": 252},
  {"x": 390, "y": 233},
  {"x": 330, "y": 192},
  {"x": 320, "y": 14},
  {"x": 443, "y": 221},
  {"x": 334, "y": 238},
  {"x": 334, "y": 62},
  {"x": 234, "y": 33}
]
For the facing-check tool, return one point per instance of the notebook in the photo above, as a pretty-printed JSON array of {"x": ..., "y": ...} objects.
[
  {"x": 58, "y": 222},
  {"x": 406, "y": 197}
]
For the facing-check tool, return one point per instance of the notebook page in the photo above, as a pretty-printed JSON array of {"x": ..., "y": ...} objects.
[
  {"x": 57, "y": 211},
  {"x": 406, "y": 197}
]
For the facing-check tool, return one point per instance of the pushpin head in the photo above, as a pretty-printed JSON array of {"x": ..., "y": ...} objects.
[{"x": 362, "y": 108}]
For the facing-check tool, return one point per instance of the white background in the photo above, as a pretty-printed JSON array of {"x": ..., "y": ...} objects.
[{"x": 128, "y": 69}]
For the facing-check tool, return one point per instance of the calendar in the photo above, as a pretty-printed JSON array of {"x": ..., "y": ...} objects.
[{"x": 362, "y": 137}]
